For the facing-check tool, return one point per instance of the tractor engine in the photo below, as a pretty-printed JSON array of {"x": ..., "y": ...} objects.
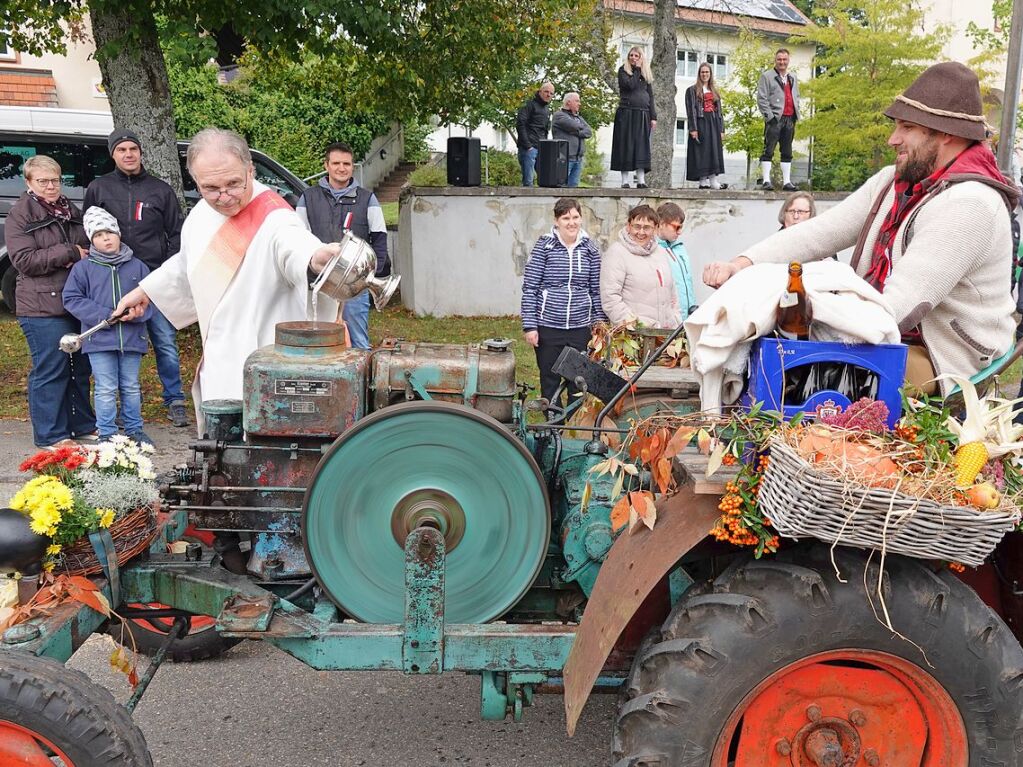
[{"x": 335, "y": 455}]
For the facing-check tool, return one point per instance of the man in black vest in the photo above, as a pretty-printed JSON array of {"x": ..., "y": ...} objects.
[
  {"x": 148, "y": 213},
  {"x": 338, "y": 204}
]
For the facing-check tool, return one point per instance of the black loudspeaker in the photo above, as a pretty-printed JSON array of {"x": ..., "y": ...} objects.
[
  {"x": 463, "y": 161},
  {"x": 552, "y": 163}
]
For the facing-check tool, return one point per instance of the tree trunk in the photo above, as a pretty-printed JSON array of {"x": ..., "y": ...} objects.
[
  {"x": 663, "y": 65},
  {"x": 596, "y": 41},
  {"x": 135, "y": 78}
]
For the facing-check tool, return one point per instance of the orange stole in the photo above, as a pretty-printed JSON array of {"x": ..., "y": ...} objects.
[{"x": 226, "y": 251}]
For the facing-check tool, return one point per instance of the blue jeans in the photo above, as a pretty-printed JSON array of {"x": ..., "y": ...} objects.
[
  {"x": 527, "y": 161},
  {"x": 58, "y": 383},
  {"x": 113, "y": 373},
  {"x": 575, "y": 172},
  {"x": 165, "y": 348},
  {"x": 356, "y": 316}
]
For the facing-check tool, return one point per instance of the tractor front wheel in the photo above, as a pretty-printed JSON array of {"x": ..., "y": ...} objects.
[
  {"x": 53, "y": 715},
  {"x": 202, "y": 642},
  {"x": 782, "y": 662}
]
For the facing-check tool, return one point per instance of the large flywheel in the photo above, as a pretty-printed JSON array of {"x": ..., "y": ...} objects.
[{"x": 432, "y": 463}]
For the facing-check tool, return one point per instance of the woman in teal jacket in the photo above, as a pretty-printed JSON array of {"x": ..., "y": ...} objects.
[{"x": 671, "y": 217}]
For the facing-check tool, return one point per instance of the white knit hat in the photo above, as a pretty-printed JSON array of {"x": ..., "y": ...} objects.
[{"x": 96, "y": 220}]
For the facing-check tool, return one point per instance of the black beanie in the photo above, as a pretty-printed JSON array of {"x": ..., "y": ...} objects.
[{"x": 118, "y": 135}]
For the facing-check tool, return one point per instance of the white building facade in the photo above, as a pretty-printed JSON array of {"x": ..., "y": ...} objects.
[{"x": 707, "y": 30}]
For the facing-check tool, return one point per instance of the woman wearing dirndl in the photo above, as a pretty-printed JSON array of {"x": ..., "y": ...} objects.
[
  {"x": 634, "y": 119},
  {"x": 705, "y": 156}
]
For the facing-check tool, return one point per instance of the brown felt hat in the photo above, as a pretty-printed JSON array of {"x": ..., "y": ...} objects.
[{"x": 946, "y": 98}]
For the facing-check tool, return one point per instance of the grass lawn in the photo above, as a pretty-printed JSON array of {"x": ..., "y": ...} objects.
[
  {"x": 393, "y": 322},
  {"x": 390, "y": 213}
]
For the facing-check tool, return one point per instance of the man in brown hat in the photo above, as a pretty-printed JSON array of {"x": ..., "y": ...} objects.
[{"x": 931, "y": 233}]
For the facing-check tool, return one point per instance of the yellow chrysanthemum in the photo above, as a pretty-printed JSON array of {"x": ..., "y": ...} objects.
[
  {"x": 53, "y": 550},
  {"x": 48, "y": 566},
  {"x": 106, "y": 517}
]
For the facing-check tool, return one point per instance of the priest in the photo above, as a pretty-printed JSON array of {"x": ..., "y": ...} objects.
[{"x": 245, "y": 265}]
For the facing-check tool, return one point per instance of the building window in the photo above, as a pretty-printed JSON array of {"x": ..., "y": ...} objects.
[
  {"x": 719, "y": 63},
  {"x": 686, "y": 64},
  {"x": 7, "y": 53},
  {"x": 680, "y": 131}
]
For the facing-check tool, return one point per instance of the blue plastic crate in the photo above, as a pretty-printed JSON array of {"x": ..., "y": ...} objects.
[{"x": 770, "y": 357}]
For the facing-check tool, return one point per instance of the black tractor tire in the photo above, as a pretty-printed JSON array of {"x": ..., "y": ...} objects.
[
  {"x": 199, "y": 644},
  {"x": 7, "y": 285},
  {"x": 75, "y": 715},
  {"x": 761, "y": 616}
]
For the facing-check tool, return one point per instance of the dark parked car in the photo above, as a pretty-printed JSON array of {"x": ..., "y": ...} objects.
[{"x": 83, "y": 158}]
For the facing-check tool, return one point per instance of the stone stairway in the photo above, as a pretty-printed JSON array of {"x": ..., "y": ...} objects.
[{"x": 389, "y": 189}]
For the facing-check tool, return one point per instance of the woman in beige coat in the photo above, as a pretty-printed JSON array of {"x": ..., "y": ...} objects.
[{"x": 635, "y": 275}]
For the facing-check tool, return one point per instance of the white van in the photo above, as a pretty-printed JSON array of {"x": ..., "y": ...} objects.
[{"x": 77, "y": 140}]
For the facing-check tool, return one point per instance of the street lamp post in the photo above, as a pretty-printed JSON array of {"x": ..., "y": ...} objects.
[{"x": 1010, "y": 99}]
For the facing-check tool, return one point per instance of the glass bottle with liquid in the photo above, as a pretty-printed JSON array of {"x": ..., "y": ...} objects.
[{"x": 794, "y": 314}]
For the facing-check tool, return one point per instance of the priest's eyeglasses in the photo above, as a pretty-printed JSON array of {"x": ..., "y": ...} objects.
[{"x": 231, "y": 190}]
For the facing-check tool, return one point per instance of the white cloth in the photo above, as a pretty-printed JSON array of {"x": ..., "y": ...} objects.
[
  {"x": 722, "y": 329},
  {"x": 270, "y": 286}
]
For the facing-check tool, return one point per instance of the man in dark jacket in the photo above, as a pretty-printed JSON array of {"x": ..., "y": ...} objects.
[
  {"x": 338, "y": 204},
  {"x": 570, "y": 126},
  {"x": 531, "y": 127},
  {"x": 150, "y": 219}
]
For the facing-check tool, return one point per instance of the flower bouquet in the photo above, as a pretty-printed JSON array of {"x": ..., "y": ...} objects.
[{"x": 80, "y": 490}]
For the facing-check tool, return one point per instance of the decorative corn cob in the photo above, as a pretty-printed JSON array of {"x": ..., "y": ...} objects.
[
  {"x": 969, "y": 459},
  {"x": 986, "y": 432}
]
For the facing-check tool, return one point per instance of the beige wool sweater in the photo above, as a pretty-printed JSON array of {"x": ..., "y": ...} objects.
[
  {"x": 951, "y": 264},
  {"x": 635, "y": 284}
]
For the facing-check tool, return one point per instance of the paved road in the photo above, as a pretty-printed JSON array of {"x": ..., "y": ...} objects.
[{"x": 256, "y": 706}]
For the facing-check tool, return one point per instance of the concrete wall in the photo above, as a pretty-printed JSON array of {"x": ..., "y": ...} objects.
[{"x": 462, "y": 250}]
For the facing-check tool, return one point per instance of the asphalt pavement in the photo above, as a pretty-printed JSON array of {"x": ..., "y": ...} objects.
[{"x": 256, "y": 706}]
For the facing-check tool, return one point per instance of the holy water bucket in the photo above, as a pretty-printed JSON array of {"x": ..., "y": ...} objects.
[{"x": 352, "y": 271}]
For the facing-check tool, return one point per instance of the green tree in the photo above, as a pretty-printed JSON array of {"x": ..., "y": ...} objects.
[
  {"x": 431, "y": 56},
  {"x": 577, "y": 58},
  {"x": 868, "y": 54},
  {"x": 744, "y": 125},
  {"x": 991, "y": 45}
]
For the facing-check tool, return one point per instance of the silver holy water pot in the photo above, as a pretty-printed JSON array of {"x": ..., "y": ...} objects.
[{"x": 352, "y": 271}]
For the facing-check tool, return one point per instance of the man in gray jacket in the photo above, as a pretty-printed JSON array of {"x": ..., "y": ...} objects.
[
  {"x": 778, "y": 102},
  {"x": 570, "y": 126}
]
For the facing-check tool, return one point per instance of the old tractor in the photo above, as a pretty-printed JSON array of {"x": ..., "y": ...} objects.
[{"x": 402, "y": 509}]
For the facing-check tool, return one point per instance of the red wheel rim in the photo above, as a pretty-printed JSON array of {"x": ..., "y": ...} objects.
[
  {"x": 163, "y": 625},
  {"x": 863, "y": 706},
  {"x": 22, "y": 747}
]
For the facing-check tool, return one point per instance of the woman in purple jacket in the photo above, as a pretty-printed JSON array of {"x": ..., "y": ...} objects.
[{"x": 45, "y": 239}]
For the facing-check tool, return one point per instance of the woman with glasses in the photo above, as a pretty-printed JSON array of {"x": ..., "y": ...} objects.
[
  {"x": 635, "y": 276},
  {"x": 45, "y": 238},
  {"x": 798, "y": 207}
]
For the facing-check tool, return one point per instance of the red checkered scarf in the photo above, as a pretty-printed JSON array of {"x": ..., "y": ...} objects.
[
  {"x": 906, "y": 198},
  {"x": 976, "y": 159}
]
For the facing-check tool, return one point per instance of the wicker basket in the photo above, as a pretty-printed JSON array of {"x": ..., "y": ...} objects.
[
  {"x": 804, "y": 502},
  {"x": 132, "y": 535}
]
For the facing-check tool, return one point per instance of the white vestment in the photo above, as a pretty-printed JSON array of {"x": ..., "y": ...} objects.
[{"x": 270, "y": 286}]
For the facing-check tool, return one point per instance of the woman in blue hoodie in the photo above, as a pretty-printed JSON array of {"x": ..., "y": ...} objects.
[
  {"x": 91, "y": 292},
  {"x": 561, "y": 293}
]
